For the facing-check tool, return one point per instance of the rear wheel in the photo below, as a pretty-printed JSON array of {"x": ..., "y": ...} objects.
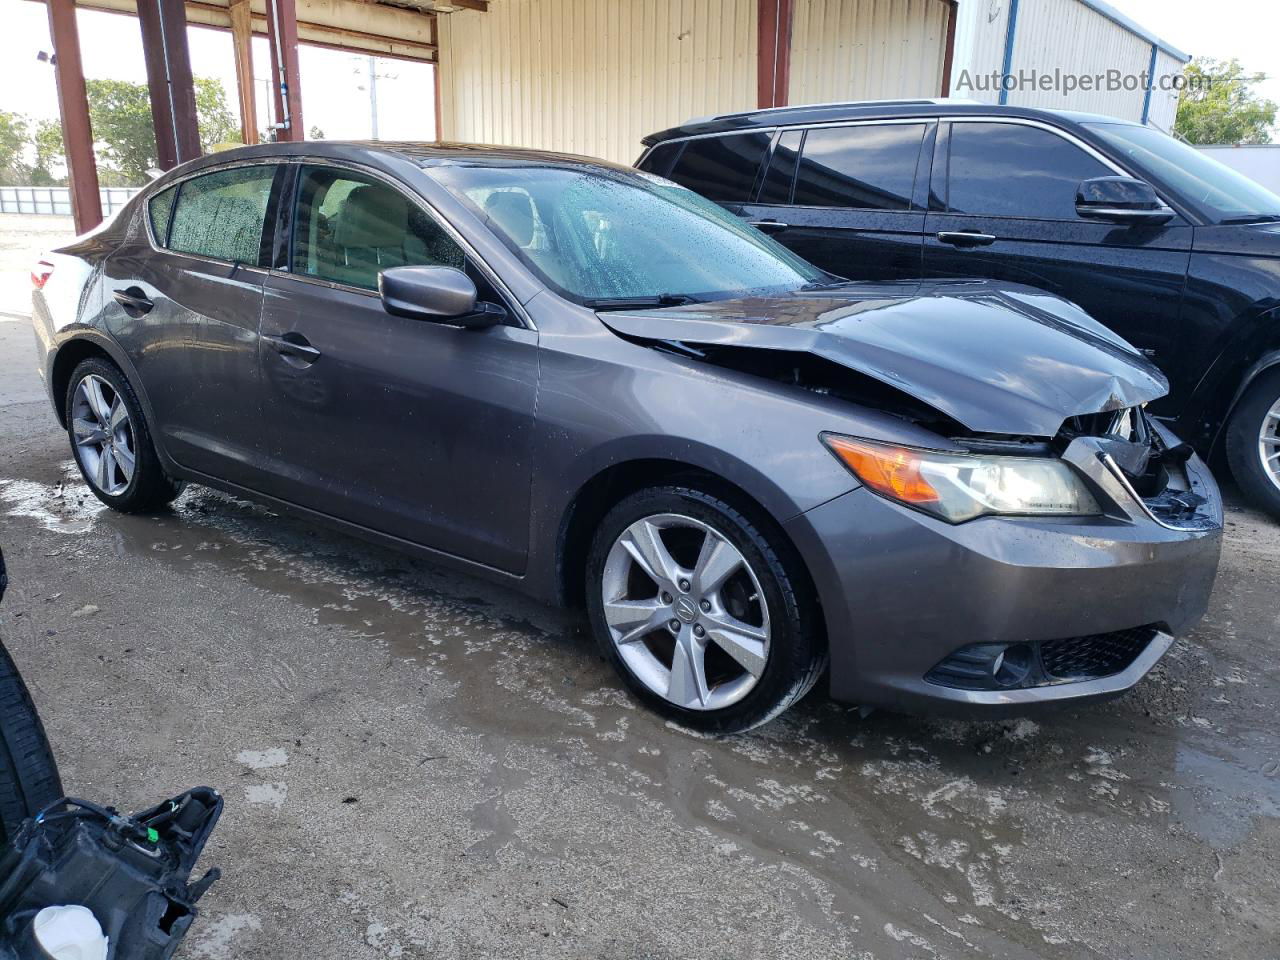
[
  {"x": 693, "y": 603},
  {"x": 1253, "y": 442},
  {"x": 111, "y": 441}
]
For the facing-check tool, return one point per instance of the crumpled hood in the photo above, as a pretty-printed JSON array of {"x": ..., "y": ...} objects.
[{"x": 998, "y": 358}]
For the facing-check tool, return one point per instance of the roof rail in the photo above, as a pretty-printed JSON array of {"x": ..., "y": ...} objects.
[{"x": 921, "y": 102}]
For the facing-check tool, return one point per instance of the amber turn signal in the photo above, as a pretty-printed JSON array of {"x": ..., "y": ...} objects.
[{"x": 891, "y": 470}]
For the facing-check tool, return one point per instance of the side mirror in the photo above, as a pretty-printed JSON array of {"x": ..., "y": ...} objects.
[
  {"x": 1121, "y": 200},
  {"x": 438, "y": 294}
]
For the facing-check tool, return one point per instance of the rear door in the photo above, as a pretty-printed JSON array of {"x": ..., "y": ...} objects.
[
  {"x": 414, "y": 429},
  {"x": 1004, "y": 208},
  {"x": 182, "y": 296},
  {"x": 849, "y": 198}
]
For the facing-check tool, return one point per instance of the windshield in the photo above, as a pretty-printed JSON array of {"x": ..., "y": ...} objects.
[
  {"x": 1222, "y": 193},
  {"x": 596, "y": 236}
]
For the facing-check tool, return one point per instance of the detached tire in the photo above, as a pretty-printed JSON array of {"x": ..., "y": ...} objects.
[
  {"x": 1254, "y": 434},
  {"x": 111, "y": 440},
  {"x": 28, "y": 773},
  {"x": 703, "y": 608}
]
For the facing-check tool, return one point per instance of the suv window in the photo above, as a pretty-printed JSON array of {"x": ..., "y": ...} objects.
[
  {"x": 871, "y": 166},
  {"x": 160, "y": 210},
  {"x": 722, "y": 168},
  {"x": 782, "y": 169},
  {"x": 1011, "y": 170},
  {"x": 348, "y": 228},
  {"x": 221, "y": 215},
  {"x": 658, "y": 160}
]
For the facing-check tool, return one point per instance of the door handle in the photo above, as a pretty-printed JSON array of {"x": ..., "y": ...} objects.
[
  {"x": 769, "y": 226},
  {"x": 966, "y": 238},
  {"x": 293, "y": 346},
  {"x": 134, "y": 300}
]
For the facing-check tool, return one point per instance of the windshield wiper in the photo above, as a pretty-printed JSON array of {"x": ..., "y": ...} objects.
[
  {"x": 639, "y": 303},
  {"x": 1254, "y": 218}
]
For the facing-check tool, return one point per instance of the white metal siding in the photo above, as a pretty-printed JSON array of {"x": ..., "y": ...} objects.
[
  {"x": 1164, "y": 103},
  {"x": 867, "y": 49},
  {"x": 593, "y": 76}
]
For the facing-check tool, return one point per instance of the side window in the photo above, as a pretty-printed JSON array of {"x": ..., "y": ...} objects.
[
  {"x": 160, "y": 210},
  {"x": 722, "y": 168},
  {"x": 348, "y": 229},
  {"x": 222, "y": 215},
  {"x": 871, "y": 166},
  {"x": 782, "y": 169},
  {"x": 1010, "y": 170},
  {"x": 658, "y": 160}
]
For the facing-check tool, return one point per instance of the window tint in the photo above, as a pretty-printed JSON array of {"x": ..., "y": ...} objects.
[
  {"x": 159, "y": 208},
  {"x": 221, "y": 215},
  {"x": 348, "y": 229},
  {"x": 658, "y": 160},
  {"x": 782, "y": 169},
  {"x": 722, "y": 168},
  {"x": 1009, "y": 170},
  {"x": 870, "y": 166}
]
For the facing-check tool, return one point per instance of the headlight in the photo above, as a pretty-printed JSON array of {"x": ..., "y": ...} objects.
[{"x": 959, "y": 487}]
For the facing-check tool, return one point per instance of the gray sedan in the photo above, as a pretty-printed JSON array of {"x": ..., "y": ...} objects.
[{"x": 599, "y": 388}]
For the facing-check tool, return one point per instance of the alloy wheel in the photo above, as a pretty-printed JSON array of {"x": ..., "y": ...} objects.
[
  {"x": 686, "y": 612},
  {"x": 1269, "y": 443},
  {"x": 103, "y": 435}
]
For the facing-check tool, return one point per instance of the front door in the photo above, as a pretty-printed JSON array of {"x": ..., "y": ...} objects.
[
  {"x": 1007, "y": 212},
  {"x": 186, "y": 310},
  {"x": 407, "y": 427}
]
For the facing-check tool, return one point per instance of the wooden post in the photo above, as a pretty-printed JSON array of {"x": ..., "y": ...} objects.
[
  {"x": 949, "y": 55},
  {"x": 173, "y": 95},
  {"x": 282, "y": 35},
  {"x": 242, "y": 47},
  {"x": 73, "y": 106},
  {"x": 773, "y": 54}
]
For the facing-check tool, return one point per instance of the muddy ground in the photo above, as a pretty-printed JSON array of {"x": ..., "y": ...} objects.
[{"x": 417, "y": 764}]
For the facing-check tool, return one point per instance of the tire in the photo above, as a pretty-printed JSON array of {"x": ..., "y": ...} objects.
[
  {"x": 765, "y": 610},
  {"x": 28, "y": 773},
  {"x": 145, "y": 486},
  {"x": 1253, "y": 413}
]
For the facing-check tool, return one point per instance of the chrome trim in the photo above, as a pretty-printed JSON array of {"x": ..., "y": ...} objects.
[{"x": 1114, "y": 469}]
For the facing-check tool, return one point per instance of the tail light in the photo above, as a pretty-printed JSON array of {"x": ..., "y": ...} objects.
[{"x": 41, "y": 273}]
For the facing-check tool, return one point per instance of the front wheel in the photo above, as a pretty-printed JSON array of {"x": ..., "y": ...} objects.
[
  {"x": 1253, "y": 442},
  {"x": 707, "y": 618}
]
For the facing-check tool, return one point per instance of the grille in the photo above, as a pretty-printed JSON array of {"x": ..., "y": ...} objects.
[{"x": 1092, "y": 657}]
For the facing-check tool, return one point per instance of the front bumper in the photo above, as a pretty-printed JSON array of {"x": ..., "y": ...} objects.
[{"x": 901, "y": 591}]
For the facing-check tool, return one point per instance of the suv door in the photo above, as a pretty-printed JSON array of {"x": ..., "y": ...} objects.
[
  {"x": 1003, "y": 207},
  {"x": 845, "y": 197},
  {"x": 183, "y": 295},
  {"x": 414, "y": 429}
]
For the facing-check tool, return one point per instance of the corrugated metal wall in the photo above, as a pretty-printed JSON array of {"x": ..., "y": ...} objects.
[
  {"x": 593, "y": 76},
  {"x": 1164, "y": 103},
  {"x": 980, "y": 35},
  {"x": 867, "y": 49}
]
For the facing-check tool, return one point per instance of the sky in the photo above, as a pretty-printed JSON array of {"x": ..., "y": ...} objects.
[
  {"x": 335, "y": 94},
  {"x": 335, "y": 85}
]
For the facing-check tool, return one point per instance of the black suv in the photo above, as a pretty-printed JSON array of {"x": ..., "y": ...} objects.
[{"x": 1175, "y": 252}]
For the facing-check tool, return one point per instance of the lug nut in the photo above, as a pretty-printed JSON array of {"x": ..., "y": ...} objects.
[
  {"x": 674, "y": 626},
  {"x": 684, "y": 585},
  {"x": 706, "y": 606},
  {"x": 666, "y": 597},
  {"x": 698, "y": 631}
]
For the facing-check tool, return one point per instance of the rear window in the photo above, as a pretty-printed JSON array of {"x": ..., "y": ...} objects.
[
  {"x": 222, "y": 215},
  {"x": 722, "y": 168},
  {"x": 871, "y": 166}
]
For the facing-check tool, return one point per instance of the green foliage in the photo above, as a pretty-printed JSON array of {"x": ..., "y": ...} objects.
[
  {"x": 1218, "y": 105},
  {"x": 218, "y": 125},
  {"x": 13, "y": 145},
  {"x": 50, "y": 152},
  {"x": 120, "y": 113}
]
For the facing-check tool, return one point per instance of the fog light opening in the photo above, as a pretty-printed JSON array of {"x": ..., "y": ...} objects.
[{"x": 1013, "y": 666}]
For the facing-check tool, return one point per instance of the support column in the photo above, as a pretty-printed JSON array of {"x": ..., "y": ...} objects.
[
  {"x": 73, "y": 106},
  {"x": 242, "y": 47},
  {"x": 773, "y": 55},
  {"x": 282, "y": 36},
  {"x": 949, "y": 52},
  {"x": 173, "y": 95}
]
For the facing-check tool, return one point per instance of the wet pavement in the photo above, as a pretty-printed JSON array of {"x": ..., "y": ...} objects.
[{"x": 418, "y": 764}]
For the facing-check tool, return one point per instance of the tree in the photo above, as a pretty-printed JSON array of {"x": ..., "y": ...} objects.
[
  {"x": 218, "y": 125},
  {"x": 13, "y": 145},
  {"x": 50, "y": 152},
  {"x": 1218, "y": 105}
]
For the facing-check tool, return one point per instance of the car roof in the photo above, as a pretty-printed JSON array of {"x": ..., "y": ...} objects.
[{"x": 864, "y": 110}]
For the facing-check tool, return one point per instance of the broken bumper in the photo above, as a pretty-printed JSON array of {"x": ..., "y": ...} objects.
[{"x": 902, "y": 591}]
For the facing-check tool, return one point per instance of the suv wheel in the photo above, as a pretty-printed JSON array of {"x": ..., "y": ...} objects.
[
  {"x": 693, "y": 604},
  {"x": 1253, "y": 442},
  {"x": 111, "y": 442}
]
